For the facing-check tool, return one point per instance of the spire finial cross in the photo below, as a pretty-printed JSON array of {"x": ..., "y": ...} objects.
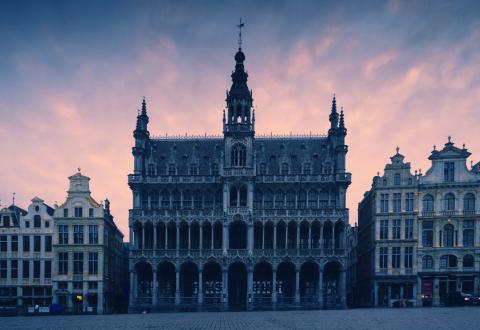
[
  {"x": 398, "y": 149},
  {"x": 240, "y": 26}
]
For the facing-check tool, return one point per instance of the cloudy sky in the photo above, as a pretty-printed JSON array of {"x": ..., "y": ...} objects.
[{"x": 72, "y": 75}]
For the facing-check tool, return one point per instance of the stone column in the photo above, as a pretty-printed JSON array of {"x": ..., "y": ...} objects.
[
  {"x": 343, "y": 289},
  {"x": 274, "y": 286},
  {"x": 200, "y": 286},
  {"x": 100, "y": 298},
  {"x": 298, "y": 236},
  {"x": 375, "y": 294},
  {"x": 250, "y": 237},
  {"x": 321, "y": 237},
  {"x": 177, "y": 286},
  {"x": 200, "y": 247},
  {"x": 297, "y": 285},
  {"x": 402, "y": 292},
  {"x": 436, "y": 293},
  {"x": 166, "y": 236},
  {"x": 320, "y": 288},
  {"x": 178, "y": 238},
  {"x": 132, "y": 242},
  {"x": 143, "y": 236},
  {"x": 274, "y": 238},
  {"x": 225, "y": 237},
  {"x": 286, "y": 236},
  {"x": 189, "y": 236},
  {"x": 132, "y": 286},
  {"x": 249, "y": 286},
  {"x": 389, "y": 295},
  {"x": 154, "y": 289},
  {"x": 225, "y": 285},
  {"x": 333, "y": 237}
]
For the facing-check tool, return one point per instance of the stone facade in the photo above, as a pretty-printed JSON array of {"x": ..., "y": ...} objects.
[
  {"x": 26, "y": 256},
  {"x": 239, "y": 220},
  {"x": 89, "y": 273},
  {"x": 411, "y": 245}
]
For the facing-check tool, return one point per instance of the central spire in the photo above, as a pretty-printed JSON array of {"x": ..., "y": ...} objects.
[{"x": 239, "y": 97}]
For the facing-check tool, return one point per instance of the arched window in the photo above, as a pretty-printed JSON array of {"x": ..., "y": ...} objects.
[
  {"x": 197, "y": 199},
  {"x": 449, "y": 202},
  {"x": 428, "y": 203},
  {"x": 176, "y": 199},
  {"x": 165, "y": 199},
  {"x": 239, "y": 155},
  {"x": 285, "y": 169},
  {"x": 469, "y": 202},
  {"x": 187, "y": 199},
  {"x": 448, "y": 237},
  {"x": 427, "y": 262},
  {"x": 468, "y": 261}
]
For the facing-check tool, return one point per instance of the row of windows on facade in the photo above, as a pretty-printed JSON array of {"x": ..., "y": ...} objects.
[
  {"x": 77, "y": 285},
  {"x": 448, "y": 237},
  {"x": 27, "y": 291},
  {"x": 37, "y": 222},
  {"x": 312, "y": 235},
  {"x": 449, "y": 202},
  {"x": 238, "y": 197},
  {"x": 448, "y": 175},
  {"x": 78, "y": 261},
  {"x": 428, "y": 202},
  {"x": 240, "y": 161},
  {"x": 396, "y": 229},
  {"x": 78, "y": 234},
  {"x": 396, "y": 257},
  {"x": 37, "y": 243},
  {"x": 77, "y": 212},
  {"x": 448, "y": 261},
  {"x": 25, "y": 269}
]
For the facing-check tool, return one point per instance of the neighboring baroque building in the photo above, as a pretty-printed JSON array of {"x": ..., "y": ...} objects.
[
  {"x": 418, "y": 235},
  {"x": 89, "y": 271},
  {"x": 26, "y": 257},
  {"x": 238, "y": 220}
]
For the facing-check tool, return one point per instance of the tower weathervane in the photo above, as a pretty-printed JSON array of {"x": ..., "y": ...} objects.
[{"x": 240, "y": 26}]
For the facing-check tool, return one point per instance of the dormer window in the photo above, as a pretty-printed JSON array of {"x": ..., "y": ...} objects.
[
  {"x": 285, "y": 169},
  {"x": 396, "y": 179},
  {"x": 65, "y": 213},
  {"x": 449, "y": 171},
  {"x": 78, "y": 212}
]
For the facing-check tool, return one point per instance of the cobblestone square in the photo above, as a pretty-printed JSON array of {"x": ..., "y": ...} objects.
[{"x": 388, "y": 319}]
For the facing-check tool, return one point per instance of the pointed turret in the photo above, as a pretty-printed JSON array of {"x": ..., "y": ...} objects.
[
  {"x": 141, "y": 136},
  {"x": 333, "y": 114}
]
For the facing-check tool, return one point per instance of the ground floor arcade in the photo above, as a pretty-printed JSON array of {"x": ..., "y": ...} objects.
[{"x": 237, "y": 286}]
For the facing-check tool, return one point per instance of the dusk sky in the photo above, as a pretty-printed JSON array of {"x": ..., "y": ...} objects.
[{"x": 73, "y": 73}]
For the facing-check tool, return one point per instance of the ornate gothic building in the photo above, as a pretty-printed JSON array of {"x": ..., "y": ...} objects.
[{"x": 239, "y": 220}]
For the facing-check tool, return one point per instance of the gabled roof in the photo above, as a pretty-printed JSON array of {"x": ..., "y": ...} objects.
[{"x": 449, "y": 151}]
